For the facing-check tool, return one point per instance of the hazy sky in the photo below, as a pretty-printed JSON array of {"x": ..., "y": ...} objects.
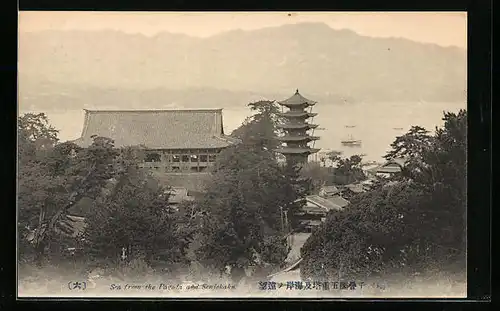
[{"x": 443, "y": 28}]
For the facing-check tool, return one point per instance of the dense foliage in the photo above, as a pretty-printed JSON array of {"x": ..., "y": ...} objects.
[
  {"x": 35, "y": 181},
  {"x": 244, "y": 205},
  {"x": 135, "y": 214},
  {"x": 347, "y": 170},
  {"x": 416, "y": 219},
  {"x": 342, "y": 171},
  {"x": 260, "y": 129},
  {"x": 318, "y": 175},
  {"x": 125, "y": 206}
]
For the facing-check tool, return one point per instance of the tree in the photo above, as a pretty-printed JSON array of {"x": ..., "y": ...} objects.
[
  {"x": 53, "y": 181},
  {"x": 412, "y": 144},
  {"x": 126, "y": 203},
  {"x": 347, "y": 170},
  {"x": 444, "y": 173},
  {"x": 136, "y": 215},
  {"x": 261, "y": 127},
  {"x": 439, "y": 165},
  {"x": 39, "y": 184},
  {"x": 416, "y": 221},
  {"x": 34, "y": 134},
  {"x": 411, "y": 147},
  {"x": 243, "y": 205},
  {"x": 374, "y": 235},
  {"x": 318, "y": 176}
]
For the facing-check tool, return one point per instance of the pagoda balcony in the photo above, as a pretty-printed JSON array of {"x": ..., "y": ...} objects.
[
  {"x": 290, "y": 150},
  {"x": 297, "y": 138},
  {"x": 297, "y": 114},
  {"x": 297, "y": 126},
  {"x": 297, "y": 105}
]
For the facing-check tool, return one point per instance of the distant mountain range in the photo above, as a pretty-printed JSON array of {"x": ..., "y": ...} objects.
[{"x": 75, "y": 68}]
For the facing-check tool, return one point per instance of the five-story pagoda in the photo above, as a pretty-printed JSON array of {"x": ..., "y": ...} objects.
[{"x": 295, "y": 129}]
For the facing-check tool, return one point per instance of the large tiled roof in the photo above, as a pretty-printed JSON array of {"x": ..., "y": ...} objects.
[{"x": 157, "y": 129}]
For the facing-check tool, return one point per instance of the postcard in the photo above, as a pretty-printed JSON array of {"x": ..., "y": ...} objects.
[{"x": 242, "y": 154}]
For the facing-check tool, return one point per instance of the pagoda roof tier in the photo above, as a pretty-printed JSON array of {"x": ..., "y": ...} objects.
[
  {"x": 297, "y": 138},
  {"x": 297, "y": 100},
  {"x": 290, "y": 150},
  {"x": 297, "y": 126},
  {"x": 297, "y": 114}
]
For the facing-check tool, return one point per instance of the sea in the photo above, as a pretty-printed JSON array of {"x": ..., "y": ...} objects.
[{"x": 376, "y": 124}]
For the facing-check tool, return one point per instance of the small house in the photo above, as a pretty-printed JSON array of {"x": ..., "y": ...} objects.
[
  {"x": 315, "y": 209},
  {"x": 351, "y": 190},
  {"x": 393, "y": 166},
  {"x": 328, "y": 191}
]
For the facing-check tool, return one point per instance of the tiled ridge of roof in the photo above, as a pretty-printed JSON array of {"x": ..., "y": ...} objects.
[
  {"x": 157, "y": 129},
  {"x": 338, "y": 200}
]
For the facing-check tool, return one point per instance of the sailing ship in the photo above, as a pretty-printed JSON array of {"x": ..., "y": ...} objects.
[{"x": 351, "y": 141}]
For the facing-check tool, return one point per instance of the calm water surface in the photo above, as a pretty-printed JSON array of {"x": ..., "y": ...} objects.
[{"x": 375, "y": 124}]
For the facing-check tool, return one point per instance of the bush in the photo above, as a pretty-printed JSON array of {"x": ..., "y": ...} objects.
[
  {"x": 368, "y": 237},
  {"x": 274, "y": 250},
  {"x": 414, "y": 223}
]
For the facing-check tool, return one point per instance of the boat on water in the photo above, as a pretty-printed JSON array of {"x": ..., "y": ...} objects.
[
  {"x": 351, "y": 141},
  {"x": 350, "y": 126},
  {"x": 397, "y": 128}
]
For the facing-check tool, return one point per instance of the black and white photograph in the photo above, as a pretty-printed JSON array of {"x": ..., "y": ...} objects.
[{"x": 242, "y": 154}]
